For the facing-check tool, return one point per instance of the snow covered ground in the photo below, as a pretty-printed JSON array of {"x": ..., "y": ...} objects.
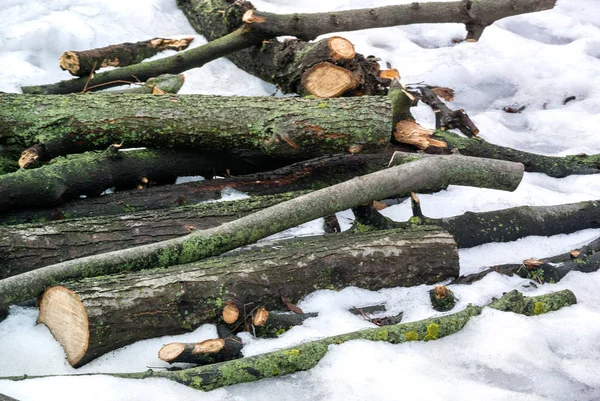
[{"x": 535, "y": 60}]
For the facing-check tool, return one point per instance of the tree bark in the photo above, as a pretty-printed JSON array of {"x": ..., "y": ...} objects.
[
  {"x": 160, "y": 302},
  {"x": 306, "y": 175},
  {"x": 429, "y": 172},
  {"x": 306, "y": 356},
  {"x": 82, "y": 63},
  {"x": 284, "y": 127},
  {"x": 92, "y": 173},
  {"x": 25, "y": 248}
]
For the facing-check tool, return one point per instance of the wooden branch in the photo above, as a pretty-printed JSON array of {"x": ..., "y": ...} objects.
[
  {"x": 550, "y": 270},
  {"x": 82, "y": 63},
  {"x": 162, "y": 84},
  {"x": 28, "y": 247},
  {"x": 92, "y": 173},
  {"x": 306, "y": 175},
  {"x": 160, "y": 302},
  {"x": 306, "y": 356},
  {"x": 437, "y": 171}
]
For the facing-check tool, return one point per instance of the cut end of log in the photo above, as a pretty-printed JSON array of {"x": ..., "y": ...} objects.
[
  {"x": 327, "y": 80},
  {"x": 69, "y": 61},
  {"x": 440, "y": 291},
  {"x": 445, "y": 93},
  {"x": 260, "y": 317},
  {"x": 250, "y": 18},
  {"x": 230, "y": 313},
  {"x": 211, "y": 346},
  {"x": 62, "y": 311},
  {"x": 340, "y": 48},
  {"x": 410, "y": 132},
  {"x": 170, "y": 352},
  {"x": 390, "y": 74},
  {"x": 171, "y": 44},
  {"x": 28, "y": 157}
]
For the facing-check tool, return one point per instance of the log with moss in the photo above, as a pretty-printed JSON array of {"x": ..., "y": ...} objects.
[
  {"x": 306, "y": 356},
  {"x": 160, "y": 302},
  {"x": 92, "y": 173},
  {"x": 82, "y": 63},
  {"x": 305, "y": 175},
  {"x": 427, "y": 172},
  {"x": 27, "y": 247},
  {"x": 270, "y": 60}
]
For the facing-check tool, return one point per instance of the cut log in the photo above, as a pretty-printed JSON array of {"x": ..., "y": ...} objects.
[
  {"x": 92, "y": 173},
  {"x": 162, "y": 302},
  {"x": 82, "y": 63},
  {"x": 426, "y": 173},
  {"x": 328, "y": 80},
  {"x": 311, "y": 174},
  {"x": 203, "y": 353},
  {"x": 306, "y": 356},
  {"x": 28, "y": 247},
  {"x": 442, "y": 299}
]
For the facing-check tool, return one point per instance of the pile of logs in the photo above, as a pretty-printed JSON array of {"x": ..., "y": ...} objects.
[{"x": 149, "y": 260}]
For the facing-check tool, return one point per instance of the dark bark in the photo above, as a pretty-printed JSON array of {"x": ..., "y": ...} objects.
[
  {"x": 160, "y": 302},
  {"x": 28, "y": 247},
  {"x": 82, "y": 63},
  {"x": 306, "y": 175},
  {"x": 428, "y": 172},
  {"x": 552, "y": 270},
  {"x": 306, "y": 356},
  {"x": 92, "y": 173}
]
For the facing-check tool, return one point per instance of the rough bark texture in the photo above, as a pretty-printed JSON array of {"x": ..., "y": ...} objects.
[
  {"x": 552, "y": 270},
  {"x": 306, "y": 356},
  {"x": 289, "y": 127},
  {"x": 428, "y": 172},
  {"x": 28, "y": 247},
  {"x": 161, "y": 302},
  {"x": 306, "y": 175},
  {"x": 82, "y": 63},
  {"x": 92, "y": 173}
]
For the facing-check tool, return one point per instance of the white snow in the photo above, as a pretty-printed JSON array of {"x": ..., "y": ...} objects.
[{"x": 535, "y": 60}]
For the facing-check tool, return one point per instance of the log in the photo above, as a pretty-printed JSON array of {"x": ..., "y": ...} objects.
[
  {"x": 27, "y": 247},
  {"x": 306, "y": 175},
  {"x": 428, "y": 172},
  {"x": 306, "y": 356},
  {"x": 82, "y": 63},
  {"x": 154, "y": 303},
  {"x": 92, "y": 173},
  {"x": 165, "y": 83},
  {"x": 442, "y": 299},
  {"x": 269, "y": 60},
  {"x": 280, "y": 127}
]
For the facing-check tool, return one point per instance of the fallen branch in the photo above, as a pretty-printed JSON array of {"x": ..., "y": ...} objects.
[
  {"x": 437, "y": 171},
  {"x": 170, "y": 301},
  {"x": 306, "y": 356},
  {"x": 82, "y": 63}
]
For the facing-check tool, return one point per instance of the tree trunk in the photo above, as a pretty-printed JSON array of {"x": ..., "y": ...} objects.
[
  {"x": 306, "y": 175},
  {"x": 306, "y": 356},
  {"x": 429, "y": 172},
  {"x": 161, "y": 302},
  {"x": 27, "y": 247},
  {"x": 82, "y": 63}
]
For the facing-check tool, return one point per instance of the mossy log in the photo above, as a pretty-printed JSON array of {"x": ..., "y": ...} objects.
[
  {"x": 306, "y": 356},
  {"x": 27, "y": 247},
  {"x": 286, "y": 127},
  {"x": 548, "y": 270},
  {"x": 92, "y": 173},
  {"x": 306, "y": 175},
  {"x": 427, "y": 172},
  {"x": 269, "y": 60},
  {"x": 160, "y": 302},
  {"x": 82, "y": 63}
]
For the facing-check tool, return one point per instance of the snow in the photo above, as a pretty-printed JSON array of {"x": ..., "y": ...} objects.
[{"x": 535, "y": 60}]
